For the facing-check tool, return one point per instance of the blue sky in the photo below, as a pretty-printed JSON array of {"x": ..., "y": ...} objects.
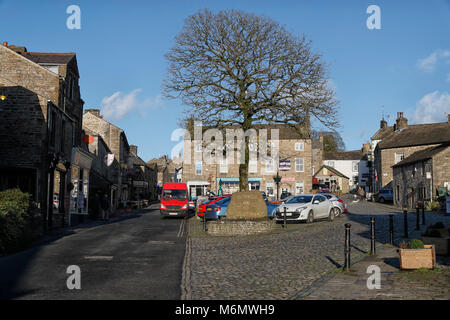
[{"x": 404, "y": 66}]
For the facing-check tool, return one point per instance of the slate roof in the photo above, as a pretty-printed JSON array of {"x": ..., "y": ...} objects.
[
  {"x": 416, "y": 135},
  {"x": 343, "y": 155},
  {"x": 49, "y": 58},
  {"x": 421, "y": 155},
  {"x": 336, "y": 172}
]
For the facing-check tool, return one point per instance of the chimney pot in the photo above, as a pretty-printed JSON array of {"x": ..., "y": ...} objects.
[
  {"x": 401, "y": 121},
  {"x": 133, "y": 149},
  {"x": 5, "y": 43}
]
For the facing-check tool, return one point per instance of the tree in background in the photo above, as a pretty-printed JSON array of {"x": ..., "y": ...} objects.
[
  {"x": 332, "y": 141},
  {"x": 236, "y": 68}
]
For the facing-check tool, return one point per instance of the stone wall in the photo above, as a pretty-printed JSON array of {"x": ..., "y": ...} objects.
[
  {"x": 239, "y": 228},
  {"x": 441, "y": 168}
]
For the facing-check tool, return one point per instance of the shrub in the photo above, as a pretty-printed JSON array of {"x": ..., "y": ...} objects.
[
  {"x": 416, "y": 244},
  {"x": 16, "y": 221},
  {"x": 403, "y": 245}
]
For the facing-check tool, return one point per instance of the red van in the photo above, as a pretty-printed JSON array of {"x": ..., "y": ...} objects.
[{"x": 174, "y": 199}]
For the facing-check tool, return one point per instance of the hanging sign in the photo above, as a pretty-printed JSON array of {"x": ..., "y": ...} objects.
[{"x": 109, "y": 159}]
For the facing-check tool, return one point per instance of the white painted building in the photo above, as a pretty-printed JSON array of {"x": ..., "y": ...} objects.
[{"x": 352, "y": 164}]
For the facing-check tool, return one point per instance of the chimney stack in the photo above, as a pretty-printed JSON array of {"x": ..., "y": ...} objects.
[
  {"x": 448, "y": 117},
  {"x": 401, "y": 122},
  {"x": 133, "y": 149},
  {"x": 383, "y": 124},
  {"x": 365, "y": 148},
  {"x": 95, "y": 112},
  {"x": 5, "y": 43}
]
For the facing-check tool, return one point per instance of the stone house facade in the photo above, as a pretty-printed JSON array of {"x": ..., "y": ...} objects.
[
  {"x": 420, "y": 176},
  {"x": 294, "y": 166},
  {"x": 334, "y": 179},
  {"x": 393, "y": 144},
  {"x": 116, "y": 140},
  {"x": 40, "y": 130},
  {"x": 144, "y": 177}
]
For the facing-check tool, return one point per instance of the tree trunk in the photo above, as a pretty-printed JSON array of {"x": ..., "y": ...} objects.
[{"x": 243, "y": 167}]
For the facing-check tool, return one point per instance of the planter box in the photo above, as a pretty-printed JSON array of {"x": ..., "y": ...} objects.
[
  {"x": 441, "y": 245},
  {"x": 411, "y": 259}
]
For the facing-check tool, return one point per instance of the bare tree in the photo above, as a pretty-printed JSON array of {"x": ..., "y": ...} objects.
[{"x": 238, "y": 68}]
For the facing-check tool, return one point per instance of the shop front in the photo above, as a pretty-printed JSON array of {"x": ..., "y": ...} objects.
[
  {"x": 231, "y": 185},
  {"x": 79, "y": 195}
]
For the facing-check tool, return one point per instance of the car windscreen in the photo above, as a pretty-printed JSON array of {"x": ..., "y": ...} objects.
[
  {"x": 300, "y": 199},
  {"x": 174, "y": 194}
]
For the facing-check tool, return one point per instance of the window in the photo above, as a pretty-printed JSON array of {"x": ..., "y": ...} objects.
[
  {"x": 223, "y": 166},
  {"x": 253, "y": 166},
  {"x": 52, "y": 127},
  {"x": 355, "y": 165},
  {"x": 269, "y": 188},
  {"x": 270, "y": 165},
  {"x": 299, "y": 146},
  {"x": 198, "y": 168},
  {"x": 63, "y": 135},
  {"x": 299, "y": 165},
  {"x": 399, "y": 156},
  {"x": 299, "y": 187}
]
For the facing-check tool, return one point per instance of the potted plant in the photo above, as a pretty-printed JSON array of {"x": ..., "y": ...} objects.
[
  {"x": 416, "y": 255},
  {"x": 435, "y": 206},
  {"x": 438, "y": 236}
]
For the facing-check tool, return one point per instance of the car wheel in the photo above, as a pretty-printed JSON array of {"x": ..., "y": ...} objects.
[
  {"x": 337, "y": 212},
  {"x": 381, "y": 200},
  {"x": 310, "y": 218},
  {"x": 332, "y": 214}
]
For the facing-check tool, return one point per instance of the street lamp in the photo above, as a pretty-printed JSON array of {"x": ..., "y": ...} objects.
[{"x": 2, "y": 98}]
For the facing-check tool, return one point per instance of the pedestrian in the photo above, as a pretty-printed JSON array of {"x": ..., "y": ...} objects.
[
  {"x": 361, "y": 193},
  {"x": 105, "y": 207}
]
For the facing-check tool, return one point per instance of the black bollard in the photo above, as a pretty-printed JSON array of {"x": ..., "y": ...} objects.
[
  {"x": 423, "y": 213},
  {"x": 405, "y": 223},
  {"x": 391, "y": 229},
  {"x": 347, "y": 246},
  {"x": 417, "y": 219},
  {"x": 204, "y": 221},
  {"x": 372, "y": 236},
  {"x": 284, "y": 220}
]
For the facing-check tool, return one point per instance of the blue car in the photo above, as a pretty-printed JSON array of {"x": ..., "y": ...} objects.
[
  {"x": 271, "y": 209},
  {"x": 219, "y": 209}
]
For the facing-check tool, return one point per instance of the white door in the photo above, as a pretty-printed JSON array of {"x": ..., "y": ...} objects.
[{"x": 321, "y": 209}]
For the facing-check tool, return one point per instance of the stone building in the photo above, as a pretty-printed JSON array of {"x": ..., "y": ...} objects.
[
  {"x": 116, "y": 140},
  {"x": 144, "y": 178},
  {"x": 103, "y": 174},
  {"x": 351, "y": 164},
  {"x": 395, "y": 143},
  {"x": 294, "y": 166},
  {"x": 40, "y": 131},
  {"x": 164, "y": 168},
  {"x": 335, "y": 180},
  {"x": 420, "y": 176}
]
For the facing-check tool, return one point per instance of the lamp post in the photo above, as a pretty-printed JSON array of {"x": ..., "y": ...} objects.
[
  {"x": 277, "y": 180},
  {"x": 2, "y": 97}
]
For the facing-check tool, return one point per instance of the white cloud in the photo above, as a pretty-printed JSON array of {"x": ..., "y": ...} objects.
[
  {"x": 117, "y": 106},
  {"x": 428, "y": 64},
  {"x": 433, "y": 107}
]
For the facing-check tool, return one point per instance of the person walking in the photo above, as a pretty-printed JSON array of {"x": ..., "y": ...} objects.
[{"x": 105, "y": 207}]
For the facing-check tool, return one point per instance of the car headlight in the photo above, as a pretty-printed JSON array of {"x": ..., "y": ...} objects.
[
  {"x": 300, "y": 209},
  {"x": 185, "y": 206}
]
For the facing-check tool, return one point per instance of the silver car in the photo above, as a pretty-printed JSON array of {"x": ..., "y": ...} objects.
[
  {"x": 306, "y": 207},
  {"x": 338, "y": 203}
]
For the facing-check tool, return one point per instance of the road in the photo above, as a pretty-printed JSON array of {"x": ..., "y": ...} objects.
[{"x": 140, "y": 257}]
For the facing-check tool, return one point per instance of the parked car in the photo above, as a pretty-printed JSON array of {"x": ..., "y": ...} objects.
[
  {"x": 338, "y": 203},
  {"x": 217, "y": 209},
  {"x": 320, "y": 187},
  {"x": 306, "y": 207},
  {"x": 284, "y": 195},
  {"x": 202, "y": 207},
  {"x": 385, "y": 195},
  {"x": 271, "y": 207},
  {"x": 174, "y": 200}
]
